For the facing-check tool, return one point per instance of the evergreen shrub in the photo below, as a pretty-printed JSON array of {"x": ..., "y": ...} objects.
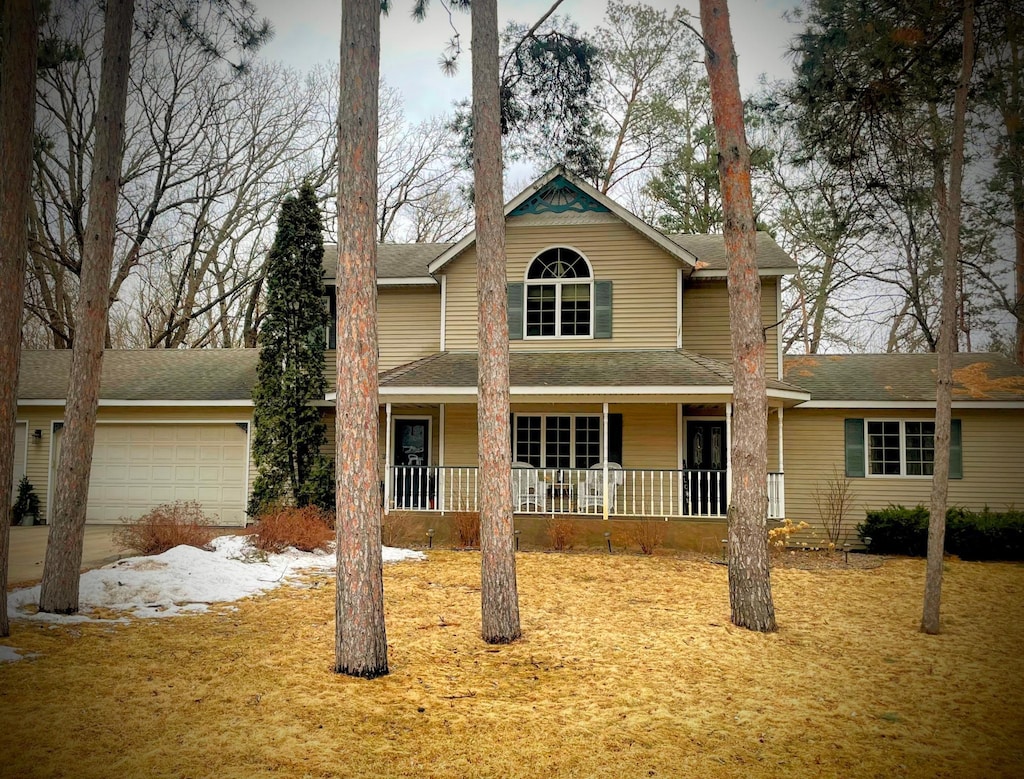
[
  {"x": 971, "y": 535},
  {"x": 26, "y": 504}
]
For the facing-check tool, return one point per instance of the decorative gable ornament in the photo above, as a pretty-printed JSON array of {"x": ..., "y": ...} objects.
[{"x": 558, "y": 197}]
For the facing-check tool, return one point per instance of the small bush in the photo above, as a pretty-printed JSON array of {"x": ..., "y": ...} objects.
[
  {"x": 971, "y": 535},
  {"x": 396, "y": 528},
  {"x": 648, "y": 534},
  {"x": 26, "y": 504},
  {"x": 307, "y": 529},
  {"x": 466, "y": 529},
  {"x": 562, "y": 533},
  {"x": 165, "y": 527},
  {"x": 778, "y": 537}
]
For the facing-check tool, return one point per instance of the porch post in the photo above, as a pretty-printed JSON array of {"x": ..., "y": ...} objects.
[
  {"x": 782, "y": 473},
  {"x": 387, "y": 458},
  {"x": 440, "y": 437},
  {"x": 439, "y": 479},
  {"x": 604, "y": 457},
  {"x": 728, "y": 460}
]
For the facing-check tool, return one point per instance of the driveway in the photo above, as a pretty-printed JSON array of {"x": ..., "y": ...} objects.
[{"x": 28, "y": 548}]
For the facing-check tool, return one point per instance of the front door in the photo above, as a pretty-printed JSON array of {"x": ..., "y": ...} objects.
[
  {"x": 413, "y": 485},
  {"x": 706, "y": 460}
]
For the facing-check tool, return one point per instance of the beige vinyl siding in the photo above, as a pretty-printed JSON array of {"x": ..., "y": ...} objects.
[
  {"x": 408, "y": 324},
  {"x": 706, "y": 321},
  {"x": 649, "y": 435},
  {"x": 40, "y": 451},
  {"x": 643, "y": 276},
  {"x": 814, "y": 451}
]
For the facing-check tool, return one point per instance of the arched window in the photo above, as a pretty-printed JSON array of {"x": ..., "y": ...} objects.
[{"x": 559, "y": 291}]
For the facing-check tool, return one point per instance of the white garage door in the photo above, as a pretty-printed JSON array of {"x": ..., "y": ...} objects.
[
  {"x": 137, "y": 467},
  {"x": 20, "y": 440}
]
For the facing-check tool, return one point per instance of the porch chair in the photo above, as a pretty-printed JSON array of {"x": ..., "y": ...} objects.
[
  {"x": 591, "y": 490},
  {"x": 527, "y": 488}
]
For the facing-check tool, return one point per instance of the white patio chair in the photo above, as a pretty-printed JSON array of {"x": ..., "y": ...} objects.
[
  {"x": 591, "y": 489},
  {"x": 527, "y": 488}
]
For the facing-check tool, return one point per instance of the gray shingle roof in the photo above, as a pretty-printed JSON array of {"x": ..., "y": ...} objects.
[
  {"x": 146, "y": 374},
  {"x": 711, "y": 249},
  {"x": 394, "y": 260},
  {"x": 662, "y": 368},
  {"x": 410, "y": 260},
  {"x": 903, "y": 377}
]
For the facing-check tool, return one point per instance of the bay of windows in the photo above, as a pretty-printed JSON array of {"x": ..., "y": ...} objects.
[{"x": 557, "y": 440}]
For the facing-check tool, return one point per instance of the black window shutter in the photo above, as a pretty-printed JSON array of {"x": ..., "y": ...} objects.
[
  {"x": 855, "y": 466},
  {"x": 603, "y": 310},
  {"x": 956, "y": 450},
  {"x": 332, "y": 319},
  {"x": 615, "y": 438},
  {"x": 515, "y": 311}
]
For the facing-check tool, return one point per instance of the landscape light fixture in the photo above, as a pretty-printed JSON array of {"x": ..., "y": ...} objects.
[
  {"x": 846, "y": 552},
  {"x": 430, "y": 538},
  {"x": 725, "y": 547},
  {"x": 516, "y": 534},
  {"x": 608, "y": 539}
]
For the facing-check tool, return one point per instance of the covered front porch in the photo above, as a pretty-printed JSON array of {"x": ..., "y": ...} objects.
[{"x": 604, "y": 435}]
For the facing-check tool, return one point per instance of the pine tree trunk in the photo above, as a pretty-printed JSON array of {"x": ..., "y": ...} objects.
[
  {"x": 64, "y": 550},
  {"x": 499, "y": 599},
  {"x": 750, "y": 593},
  {"x": 20, "y": 31},
  {"x": 949, "y": 210},
  {"x": 360, "y": 641}
]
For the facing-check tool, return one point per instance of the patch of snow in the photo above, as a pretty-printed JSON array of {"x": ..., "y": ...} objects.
[
  {"x": 8, "y": 654},
  {"x": 185, "y": 580}
]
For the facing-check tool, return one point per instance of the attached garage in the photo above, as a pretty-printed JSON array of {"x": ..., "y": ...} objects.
[{"x": 137, "y": 466}]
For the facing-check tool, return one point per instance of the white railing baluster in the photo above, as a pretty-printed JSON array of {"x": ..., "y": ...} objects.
[{"x": 650, "y": 492}]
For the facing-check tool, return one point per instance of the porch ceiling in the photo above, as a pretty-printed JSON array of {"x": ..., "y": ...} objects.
[{"x": 637, "y": 376}]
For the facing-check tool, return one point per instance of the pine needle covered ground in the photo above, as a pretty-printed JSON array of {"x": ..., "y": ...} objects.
[{"x": 629, "y": 668}]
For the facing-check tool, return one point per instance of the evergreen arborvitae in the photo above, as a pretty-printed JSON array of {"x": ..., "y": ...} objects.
[{"x": 288, "y": 431}]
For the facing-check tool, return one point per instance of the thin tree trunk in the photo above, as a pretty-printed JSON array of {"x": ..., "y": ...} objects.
[
  {"x": 18, "y": 45},
  {"x": 750, "y": 593},
  {"x": 499, "y": 598},
  {"x": 949, "y": 209},
  {"x": 360, "y": 642},
  {"x": 59, "y": 592}
]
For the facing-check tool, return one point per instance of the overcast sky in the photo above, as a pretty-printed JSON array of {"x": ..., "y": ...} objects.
[{"x": 307, "y": 33}]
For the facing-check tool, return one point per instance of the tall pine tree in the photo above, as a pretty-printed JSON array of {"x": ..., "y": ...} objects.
[{"x": 288, "y": 430}]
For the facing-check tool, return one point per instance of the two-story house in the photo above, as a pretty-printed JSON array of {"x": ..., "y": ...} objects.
[{"x": 620, "y": 388}]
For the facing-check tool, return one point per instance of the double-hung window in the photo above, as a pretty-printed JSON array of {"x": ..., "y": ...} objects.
[
  {"x": 559, "y": 295},
  {"x": 900, "y": 448},
  {"x": 557, "y": 440}
]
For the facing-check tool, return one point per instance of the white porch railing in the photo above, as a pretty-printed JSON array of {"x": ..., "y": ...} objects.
[{"x": 632, "y": 492}]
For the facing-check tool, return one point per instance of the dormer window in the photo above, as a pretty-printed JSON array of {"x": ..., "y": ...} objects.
[{"x": 559, "y": 291}]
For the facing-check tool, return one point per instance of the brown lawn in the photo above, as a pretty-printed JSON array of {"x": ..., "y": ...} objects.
[{"x": 628, "y": 668}]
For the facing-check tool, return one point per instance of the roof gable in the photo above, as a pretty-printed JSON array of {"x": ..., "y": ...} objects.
[{"x": 550, "y": 189}]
